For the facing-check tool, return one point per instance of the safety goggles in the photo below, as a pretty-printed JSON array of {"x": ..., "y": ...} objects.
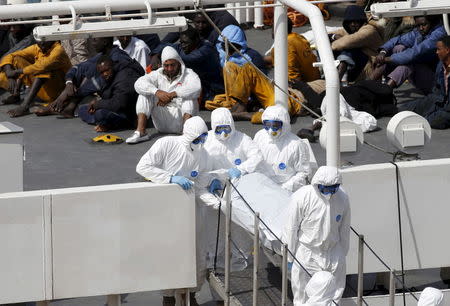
[
  {"x": 200, "y": 139},
  {"x": 222, "y": 129},
  {"x": 274, "y": 125},
  {"x": 328, "y": 189}
]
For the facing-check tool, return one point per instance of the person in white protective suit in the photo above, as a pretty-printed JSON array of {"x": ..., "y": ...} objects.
[
  {"x": 318, "y": 231},
  {"x": 320, "y": 289},
  {"x": 431, "y": 297},
  {"x": 182, "y": 160},
  {"x": 230, "y": 149},
  {"x": 169, "y": 95},
  {"x": 285, "y": 156}
]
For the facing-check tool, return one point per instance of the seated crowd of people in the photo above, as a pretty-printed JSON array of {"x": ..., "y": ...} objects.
[{"x": 123, "y": 82}]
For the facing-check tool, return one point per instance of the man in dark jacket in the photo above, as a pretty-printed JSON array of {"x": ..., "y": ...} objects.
[
  {"x": 83, "y": 80},
  {"x": 114, "y": 107},
  {"x": 435, "y": 107},
  {"x": 411, "y": 55}
]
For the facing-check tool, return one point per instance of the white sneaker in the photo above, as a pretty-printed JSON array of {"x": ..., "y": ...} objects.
[{"x": 136, "y": 137}]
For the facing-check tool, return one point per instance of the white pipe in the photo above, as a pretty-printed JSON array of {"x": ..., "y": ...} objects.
[
  {"x": 281, "y": 60},
  {"x": 94, "y": 6},
  {"x": 249, "y": 13},
  {"x": 446, "y": 23},
  {"x": 259, "y": 15},
  {"x": 331, "y": 75},
  {"x": 239, "y": 13}
]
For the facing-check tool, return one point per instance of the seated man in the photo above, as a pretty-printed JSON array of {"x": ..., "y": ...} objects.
[
  {"x": 169, "y": 95},
  {"x": 202, "y": 57},
  {"x": 285, "y": 156},
  {"x": 411, "y": 56},
  {"x": 242, "y": 80},
  {"x": 19, "y": 37},
  {"x": 221, "y": 19},
  {"x": 41, "y": 66},
  {"x": 300, "y": 58},
  {"x": 229, "y": 149},
  {"x": 356, "y": 43},
  {"x": 114, "y": 108},
  {"x": 137, "y": 49},
  {"x": 83, "y": 80},
  {"x": 435, "y": 107},
  {"x": 182, "y": 160}
]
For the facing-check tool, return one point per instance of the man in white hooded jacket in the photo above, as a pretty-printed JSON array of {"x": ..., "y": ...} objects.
[
  {"x": 169, "y": 95},
  {"x": 285, "y": 155},
  {"x": 182, "y": 160},
  {"x": 228, "y": 149},
  {"x": 318, "y": 231}
]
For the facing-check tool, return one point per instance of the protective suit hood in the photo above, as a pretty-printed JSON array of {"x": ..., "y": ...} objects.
[
  {"x": 278, "y": 113},
  {"x": 192, "y": 128},
  {"x": 170, "y": 53},
  {"x": 222, "y": 116},
  {"x": 321, "y": 289},
  {"x": 327, "y": 176},
  {"x": 431, "y": 297}
]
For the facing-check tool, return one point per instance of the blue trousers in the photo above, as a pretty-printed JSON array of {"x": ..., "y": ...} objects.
[
  {"x": 103, "y": 117},
  {"x": 437, "y": 116}
]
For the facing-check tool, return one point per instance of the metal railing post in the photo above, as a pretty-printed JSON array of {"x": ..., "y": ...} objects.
[
  {"x": 360, "y": 270},
  {"x": 256, "y": 260},
  {"x": 391, "y": 288},
  {"x": 114, "y": 300},
  {"x": 227, "y": 242},
  {"x": 284, "y": 271}
]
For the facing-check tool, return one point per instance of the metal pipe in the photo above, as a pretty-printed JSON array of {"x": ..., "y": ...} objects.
[
  {"x": 188, "y": 297},
  {"x": 256, "y": 260},
  {"x": 281, "y": 60},
  {"x": 238, "y": 13},
  {"x": 259, "y": 15},
  {"x": 284, "y": 272},
  {"x": 114, "y": 300},
  {"x": 331, "y": 75},
  {"x": 249, "y": 13},
  {"x": 391, "y": 288},
  {"x": 227, "y": 242},
  {"x": 360, "y": 270},
  {"x": 446, "y": 23}
]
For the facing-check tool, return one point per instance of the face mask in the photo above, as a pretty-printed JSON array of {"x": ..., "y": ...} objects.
[
  {"x": 196, "y": 147},
  {"x": 222, "y": 132},
  {"x": 198, "y": 142},
  {"x": 273, "y": 128}
]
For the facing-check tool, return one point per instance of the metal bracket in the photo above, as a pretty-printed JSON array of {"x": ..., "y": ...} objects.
[
  {"x": 108, "y": 14},
  {"x": 320, "y": 64},
  {"x": 74, "y": 17},
  {"x": 149, "y": 11}
]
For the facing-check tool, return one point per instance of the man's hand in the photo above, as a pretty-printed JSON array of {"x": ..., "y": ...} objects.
[
  {"x": 91, "y": 108},
  {"x": 380, "y": 59},
  {"x": 70, "y": 89},
  {"x": 13, "y": 74},
  {"x": 12, "y": 86},
  {"x": 164, "y": 97},
  {"x": 336, "y": 36}
]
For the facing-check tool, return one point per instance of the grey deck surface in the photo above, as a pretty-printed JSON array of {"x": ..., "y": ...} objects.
[{"x": 58, "y": 155}]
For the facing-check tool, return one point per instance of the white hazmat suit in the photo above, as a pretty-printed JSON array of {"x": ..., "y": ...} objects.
[
  {"x": 431, "y": 297},
  {"x": 235, "y": 151},
  {"x": 177, "y": 156},
  {"x": 169, "y": 118},
  {"x": 318, "y": 232},
  {"x": 286, "y": 157},
  {"x": 320, "y": 289}
]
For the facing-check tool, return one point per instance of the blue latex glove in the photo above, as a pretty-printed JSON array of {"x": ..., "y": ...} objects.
[
  {"x": 182, "y": 181},
  {"x": 215, "y": 185},
  {"x": 289, "y": 266},
  {"x": 234, "y": 172}
]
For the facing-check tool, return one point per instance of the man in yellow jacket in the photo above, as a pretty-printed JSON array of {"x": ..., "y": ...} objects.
[{"x": 41, "y": 66}]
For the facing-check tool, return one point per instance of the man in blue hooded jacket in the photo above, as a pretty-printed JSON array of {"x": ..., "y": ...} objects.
[{"x": 411, "y": 56}]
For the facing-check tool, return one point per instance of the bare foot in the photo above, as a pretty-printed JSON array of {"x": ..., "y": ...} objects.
[
  {"x": 13, "y": 99},
  {"x": 19, "y": 111},
  {"x": 101, "y": 128},
  {"x": 45, "y": 111}
]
